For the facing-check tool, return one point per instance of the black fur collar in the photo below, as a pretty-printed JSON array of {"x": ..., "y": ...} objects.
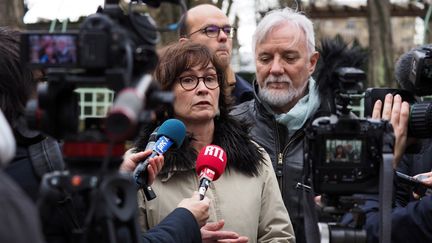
[{"x": 243, "y": 155}]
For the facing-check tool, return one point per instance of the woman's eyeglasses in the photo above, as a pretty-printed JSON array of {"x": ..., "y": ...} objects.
[{"x": 190, "y": 82}]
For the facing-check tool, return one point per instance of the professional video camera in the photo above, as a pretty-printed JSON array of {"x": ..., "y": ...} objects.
[
  {"x": 344, "y": 155},
  {"x": 414, "y": 75},
  {"x": 114, "y": 48}
]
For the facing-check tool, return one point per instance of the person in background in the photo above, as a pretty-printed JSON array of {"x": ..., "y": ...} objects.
[
  {"x": 208, "y": 25},
  {"x": 245, "y": 200},
  {"x": 36, "y": 153},
  {"x": 286, "y": 98},
  {"x": 19, "y": 215}
]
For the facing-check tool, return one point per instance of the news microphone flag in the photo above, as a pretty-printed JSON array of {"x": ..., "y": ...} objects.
[
  {"x": 210, "y": 165},
  {"x": 171, "y": 132}
]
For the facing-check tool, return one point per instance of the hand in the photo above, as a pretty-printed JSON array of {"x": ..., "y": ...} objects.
[
  {"x": 131, "y": 161},
  {"x": 318, "y": 202},
  {"x": 425, "y": 178},
  {"x": 199, "y": 208},
  {"x": 397, "y": 112},
  {"x": 211, "y": 233}
]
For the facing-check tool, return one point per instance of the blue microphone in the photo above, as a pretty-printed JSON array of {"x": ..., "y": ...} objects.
[{"x": 171, "y": 132}]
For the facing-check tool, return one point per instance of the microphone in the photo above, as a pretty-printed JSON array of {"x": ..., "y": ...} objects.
[
  {"x": 7, "y": 141},
  {"x": 210, "y": 165},
  {"x": 171, "y": 132}
]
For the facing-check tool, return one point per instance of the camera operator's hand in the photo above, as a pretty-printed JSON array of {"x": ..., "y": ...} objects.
[
  {"x": 397, "y": 112},
  {"x": 425, "y": 178},
  {"x": 131, "y": 160},
  {"x": 199, "y": 208},
  {"x": 211, "y": 233}
]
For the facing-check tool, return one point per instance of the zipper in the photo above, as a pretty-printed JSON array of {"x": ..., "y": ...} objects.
[
  {"x": 280, "y": 164},
  {"x": 300, "y": 133},
  {"x": 280, "y": 156}
]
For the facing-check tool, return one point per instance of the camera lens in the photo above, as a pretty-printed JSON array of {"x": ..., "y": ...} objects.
[{"x": 420, "y": 121}]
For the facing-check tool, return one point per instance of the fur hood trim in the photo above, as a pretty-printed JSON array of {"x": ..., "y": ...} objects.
[{"x": 243, "y": 155}]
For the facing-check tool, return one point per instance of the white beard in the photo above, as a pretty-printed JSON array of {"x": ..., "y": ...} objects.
[{"x": 280, "y": 98}]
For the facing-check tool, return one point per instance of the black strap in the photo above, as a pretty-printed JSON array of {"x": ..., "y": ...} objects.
[
  {"x": 386, "y": 198},
  {"x": 312, "y": 233}
]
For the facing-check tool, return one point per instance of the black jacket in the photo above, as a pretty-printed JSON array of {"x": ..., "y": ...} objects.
[
  {"x": 19, "y": 217},
  {"x": 179, "y": 226},
  {"x": 286, "y": 153},
  {"x": 243, "y": 90}
]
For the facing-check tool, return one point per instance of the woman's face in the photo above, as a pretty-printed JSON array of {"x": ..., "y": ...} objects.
[{"x": 199, "y": 104}]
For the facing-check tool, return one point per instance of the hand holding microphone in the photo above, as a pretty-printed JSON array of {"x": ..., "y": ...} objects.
[
  {"x": 199, "y": 208},
  {"x": 171, "y": 132},
  {"x": 210, "y": 165},
  {"x": 131, "y": 160}
]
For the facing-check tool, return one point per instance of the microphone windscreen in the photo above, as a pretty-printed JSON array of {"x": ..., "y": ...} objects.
[
  {"x": 212, "y": 157},
  {"x": 403, "y": 68},
  {"x": 173, "y": 129}
]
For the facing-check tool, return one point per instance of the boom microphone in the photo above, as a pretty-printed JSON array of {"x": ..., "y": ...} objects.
[
  {"x": 171, "y": 132},
  {"x": 125, "y": 114},
  {"x": 210, "y": 165}
]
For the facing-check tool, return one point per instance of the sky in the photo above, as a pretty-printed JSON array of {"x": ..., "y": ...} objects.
[
  {"x": 59, "y": 9},
  {"x": 73, "y": 9}
]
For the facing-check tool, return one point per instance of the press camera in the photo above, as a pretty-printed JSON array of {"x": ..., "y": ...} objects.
[
  {"x": 114, "y": 48},
  {"x": 343, "y": 156},
  {"x": 414, "y": 75},
  {"x": 345, "y": 152}
]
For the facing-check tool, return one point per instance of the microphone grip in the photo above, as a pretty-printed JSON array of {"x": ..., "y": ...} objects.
[
  {"x": 203, "y": 186},
  {"x": 141, "y": 178}
]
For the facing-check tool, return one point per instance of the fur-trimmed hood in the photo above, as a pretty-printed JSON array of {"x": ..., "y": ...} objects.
[{"x": 243, "y": 155}]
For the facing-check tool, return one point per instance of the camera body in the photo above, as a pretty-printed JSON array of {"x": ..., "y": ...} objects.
[
  {"x": 111, "y": 48},
  {"x": 344, "y": 157},
  {"x": 420, "y": 72},
  {"x": 345, "y": 154},
  {"x": 114, "y": 48}
]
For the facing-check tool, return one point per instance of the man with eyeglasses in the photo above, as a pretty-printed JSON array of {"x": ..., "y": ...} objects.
[{"x": 208, "y": 25}]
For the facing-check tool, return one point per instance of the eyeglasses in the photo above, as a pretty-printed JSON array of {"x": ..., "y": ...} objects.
[
  {"x": 213, "y": 31},
  {"x": 189, "y": 83}
]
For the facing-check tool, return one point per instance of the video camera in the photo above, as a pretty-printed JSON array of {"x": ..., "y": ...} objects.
[
  {"x": 414, "y": 75},
  {"x": 114, "y": 48},
  {"x": 343, "y": 155}
]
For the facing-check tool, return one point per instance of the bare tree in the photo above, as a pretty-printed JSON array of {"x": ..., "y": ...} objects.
[
  {"x": 381, "y": 61},
  {"x": 11, "y": 13},
  {"x": 290, "y": 3}
]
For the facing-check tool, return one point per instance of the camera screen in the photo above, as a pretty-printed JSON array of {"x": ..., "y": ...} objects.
[
  {"x": 52, "y": 49},
  {"x": 343, "y": 150}
]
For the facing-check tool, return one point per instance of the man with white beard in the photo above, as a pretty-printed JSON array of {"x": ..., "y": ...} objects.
[{"x": 286, "y": 98}]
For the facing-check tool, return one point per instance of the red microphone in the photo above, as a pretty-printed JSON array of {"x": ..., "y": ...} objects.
[{"x": 210, "y": 165}]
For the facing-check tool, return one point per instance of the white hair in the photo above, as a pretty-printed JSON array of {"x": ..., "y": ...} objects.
[{"x": 277, "y": 17}]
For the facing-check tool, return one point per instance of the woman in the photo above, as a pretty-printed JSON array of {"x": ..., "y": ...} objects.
[
  {"x": 246, "y": 196},
  {"x": 339, "y": 153}
]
